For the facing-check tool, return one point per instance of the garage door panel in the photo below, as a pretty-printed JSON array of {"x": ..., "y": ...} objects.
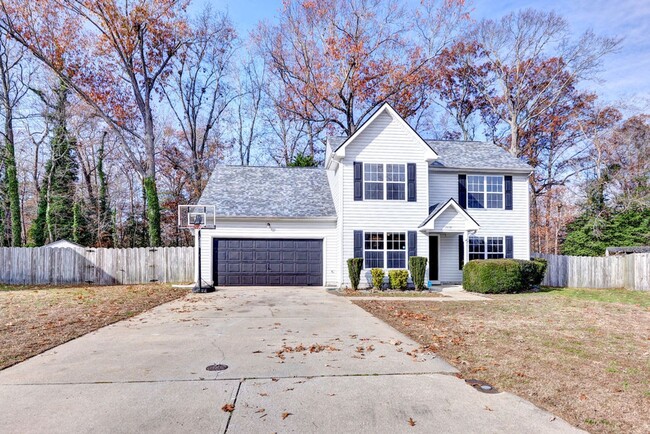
[{"x": 268, "y": 262}]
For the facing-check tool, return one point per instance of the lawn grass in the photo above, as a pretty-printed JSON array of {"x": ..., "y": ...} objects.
[
  {"x": 639, "y": 298},
  {"x": 34, "y": 319},
  {"x": 581, "y": 354}
]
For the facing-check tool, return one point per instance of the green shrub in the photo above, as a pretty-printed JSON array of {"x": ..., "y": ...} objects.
[
  {"x": 398, "y": 279},
  {"x": 377, "y": 275},
  {"x": 541, "y": 264},
  {"x": 417, "y": 267},
  {"x": 355, "y": 265},
  {"x": 532, "y": 271},
  {"x": 494, "y": 276}
]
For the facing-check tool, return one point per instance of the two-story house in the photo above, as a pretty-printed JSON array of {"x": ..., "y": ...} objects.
[{"x": 385, "y": 194}]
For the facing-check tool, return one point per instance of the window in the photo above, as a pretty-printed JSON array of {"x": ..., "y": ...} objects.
[
  {"x": 395, "y": 182},
  {"x": 396, "y": 249},
  {"x": 374, "y": 181},
  {"x": 373, "y": 176},
  {"x": 495, "y": 248},
  {"x": 374, "y": 250},
  {"x": 484, "y": 191},
  {"x": 390, "y": 246},
  {"x": 476, "y": 248},
  {"x": 486, "y": 248}
]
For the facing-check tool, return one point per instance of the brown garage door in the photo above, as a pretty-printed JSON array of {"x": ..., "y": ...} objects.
[{"x": 260, "y": 262}]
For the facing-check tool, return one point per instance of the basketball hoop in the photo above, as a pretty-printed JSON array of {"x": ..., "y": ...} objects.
[{"x": 197, "y": 217}]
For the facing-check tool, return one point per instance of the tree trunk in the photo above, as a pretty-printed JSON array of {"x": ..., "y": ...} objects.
[
  {"x": 153, "y": 211},
  {"x": 12, "y": 180}
]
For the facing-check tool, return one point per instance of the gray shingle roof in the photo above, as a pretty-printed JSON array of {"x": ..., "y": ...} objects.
[
  {"x": 289, "y": 192},
  {"x": 474, "y": 155}
]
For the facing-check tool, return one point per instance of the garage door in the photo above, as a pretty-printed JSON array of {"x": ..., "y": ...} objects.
[{"x": 268, "y": 262}]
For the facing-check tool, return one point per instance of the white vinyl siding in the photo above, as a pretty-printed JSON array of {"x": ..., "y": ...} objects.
[
  {"x": 493, "y": 222},
  {"x": 385, "y": 141},
  {"x": 286, "y": 229}
]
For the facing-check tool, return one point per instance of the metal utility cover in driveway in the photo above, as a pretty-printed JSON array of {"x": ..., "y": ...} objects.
[{"x": 261, "y": 262}]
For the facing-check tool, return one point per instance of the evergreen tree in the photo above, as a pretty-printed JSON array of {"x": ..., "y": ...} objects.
[
  {"x": 303, "y": 160},
  {"x": 590, "y": 235}
]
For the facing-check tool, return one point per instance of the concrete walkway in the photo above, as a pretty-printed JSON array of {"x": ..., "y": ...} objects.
[
  {"x": 299, "y": 360},
  {"x": 448, "y": 293}
]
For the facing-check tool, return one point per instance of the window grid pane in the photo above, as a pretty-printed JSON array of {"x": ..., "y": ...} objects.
[
  {"x": 495, "y": 200},
  {"x": 476, "y": 248},
  {"x": 395, "y": 191},
  {"x": 475, "y": 191},
  {"x": 374, "y": 241},
  {"x": 373, "y": 172},
  {"x": 395, "y": 173},
  {"x": 396, "y": 181},
  {"x": 495, "y": 248},
  {"x": 374, "y": 190},
  {"x": 374, "y": 259},
  {"x": 396, "y": 259}
]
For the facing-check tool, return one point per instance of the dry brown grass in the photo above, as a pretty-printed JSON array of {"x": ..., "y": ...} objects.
[
  {"x": 34, "y": 319},
  {"x": 586, "y": 361}
]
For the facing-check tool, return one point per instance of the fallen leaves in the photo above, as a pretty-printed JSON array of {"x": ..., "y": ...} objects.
[
  {"x": 411, "y": 421},
  {"x": 300, "y": 348},
  {"x": 286, "y": 415},
  {"x": 228, "y": 408}
]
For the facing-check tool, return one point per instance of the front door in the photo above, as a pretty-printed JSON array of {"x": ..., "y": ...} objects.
[{"x": 433, "y": 258}]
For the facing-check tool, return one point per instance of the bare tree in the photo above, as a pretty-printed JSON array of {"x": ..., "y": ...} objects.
[
  {"x": 533, "y": 60},
  {"x": 201, "y": 92}
]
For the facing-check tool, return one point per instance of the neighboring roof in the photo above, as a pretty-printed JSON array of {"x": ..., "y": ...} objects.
[
  {"x": 385, "y": 107},
  {"x": 64, "y": 243},
  {"x": 438, "y": 208},
  {"x": 282, "y": 192},
  {"x": 457, "y": 154},
  {"x": 627, "y": 250}
]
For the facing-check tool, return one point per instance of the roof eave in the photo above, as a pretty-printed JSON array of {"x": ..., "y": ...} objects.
[{"x": 519, "y": 170}]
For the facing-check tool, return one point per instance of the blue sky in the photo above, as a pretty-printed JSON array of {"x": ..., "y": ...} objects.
[{"x": 625, "y": 75}]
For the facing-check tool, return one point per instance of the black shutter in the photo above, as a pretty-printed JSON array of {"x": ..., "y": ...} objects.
[
  {"x": 358, "y": 181},
  {"x": 410, "y": 182},
  {"x": 461, "y": 252},
  {"x": 358, "y": 244},
  {"x": 507, "y": 180},
  {"x": 413, "y": 243},
  {"x": 462, "y": 191},
  {"x": 509, "y": 247}
]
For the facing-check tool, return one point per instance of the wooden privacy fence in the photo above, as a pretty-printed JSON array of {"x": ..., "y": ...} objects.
[
  {"x": 47, "y": 265},
  {"x": 625, "y": 271}
]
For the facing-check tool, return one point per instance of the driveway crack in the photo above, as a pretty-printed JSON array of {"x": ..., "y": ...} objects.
[{"x": 234, "y": 403}]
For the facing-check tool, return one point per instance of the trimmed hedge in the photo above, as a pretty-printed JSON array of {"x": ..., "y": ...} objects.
[
  {"x": 377, "y": 276},
  {"x": 502, "y": 276},
  {"x": 533, "y": 271},
  {"x": 417, "y": 267},
  {"x": 398, "y": 279},
  {"x": 493, "y": 276},
  {"x": 355, "y": 265}
]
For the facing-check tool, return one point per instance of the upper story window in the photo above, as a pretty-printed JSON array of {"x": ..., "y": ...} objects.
[
  {"x": 484, "y": 191},
  {"x": 393, "y": 183},
  {"x": 373, "y": 176}
]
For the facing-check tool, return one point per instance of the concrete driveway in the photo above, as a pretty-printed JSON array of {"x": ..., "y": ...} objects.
[{"x": 299, "y": 360}]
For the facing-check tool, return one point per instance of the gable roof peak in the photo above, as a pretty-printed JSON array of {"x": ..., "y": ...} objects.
[{"x": 385, "y": 108}]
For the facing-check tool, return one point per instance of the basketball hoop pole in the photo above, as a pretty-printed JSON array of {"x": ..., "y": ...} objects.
[{"x": 198, "y": 288}]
